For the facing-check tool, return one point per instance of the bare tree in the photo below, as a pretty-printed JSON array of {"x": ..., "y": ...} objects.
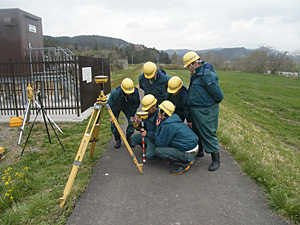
[
  {"x": 296, "y": 59},
  {"x": 219, "y": 62},
  {"x": 176, "y": 59}
]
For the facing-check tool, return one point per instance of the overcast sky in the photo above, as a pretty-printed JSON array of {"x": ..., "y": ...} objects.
[{"x": 173, "y": 24}]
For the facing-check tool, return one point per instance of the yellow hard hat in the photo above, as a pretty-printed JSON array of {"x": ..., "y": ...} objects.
[
  {"x": 149, "y": 69},
  {"x": 127, "y": 86},
  {"x": 174, "y": 84},
  {"x": 168, "y": 107},
  {"x": 148, "y": 101},
  {"x": 189, "y": 58}
]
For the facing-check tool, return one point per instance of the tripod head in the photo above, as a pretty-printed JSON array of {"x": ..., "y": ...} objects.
[{"x": 101, "y": 79}]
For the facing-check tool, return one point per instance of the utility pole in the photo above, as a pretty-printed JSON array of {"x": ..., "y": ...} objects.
[{"x": 131, "y": 59}]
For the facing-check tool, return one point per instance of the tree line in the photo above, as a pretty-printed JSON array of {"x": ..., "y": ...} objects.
[
  {"x": 135, "y": 54},
  {"x": 265, "y": 59}
]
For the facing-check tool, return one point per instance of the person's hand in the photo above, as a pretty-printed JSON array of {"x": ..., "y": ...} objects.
[
  {"x": 111, "y": 121},
  {"x": 157, "y": 122},
  {"x": 143, "y": 132},
  {"x": 190, "y": 125},
  {"x": 137, "y": 121}
]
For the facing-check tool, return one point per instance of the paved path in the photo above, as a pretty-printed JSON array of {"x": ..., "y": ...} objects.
[{"x": 119, "y": 194}]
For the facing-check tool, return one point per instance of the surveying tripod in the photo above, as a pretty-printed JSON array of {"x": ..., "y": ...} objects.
[
  {"x": 44, "y": 113},
  {"x": 91, "y": 136},
  {"x": 26, "y": 116}
]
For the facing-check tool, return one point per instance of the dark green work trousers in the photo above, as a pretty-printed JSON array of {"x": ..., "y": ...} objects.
[
  {"x": 205, "y": 125},
  {"x": 167, "y": 152},
  {"x": 130, "y": 127}
]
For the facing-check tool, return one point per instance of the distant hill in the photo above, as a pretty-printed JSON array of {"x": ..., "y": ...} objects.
[
  {"x": 180, "y": 52},
  {"x": 228, "y": 53},
  {"x": 96, "y": 41},
  {"x": 88, "y": 41},
  {"x": 183, "y": 51}
]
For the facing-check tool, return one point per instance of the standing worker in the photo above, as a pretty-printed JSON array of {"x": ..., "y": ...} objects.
[
  {"x": 154, "y": 81},
  {"x": 178, "y": 96},
  {"x": 124, "y": 98},
  {"x": 175, "y": 141},
  {"x": 204, "y": 96},
  {"x": 148, "y": 105}
]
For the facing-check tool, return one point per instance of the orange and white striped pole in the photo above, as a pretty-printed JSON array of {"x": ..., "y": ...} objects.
[
  {"x": 143, "y": 116},
  {"x": 143, "y": 143}
]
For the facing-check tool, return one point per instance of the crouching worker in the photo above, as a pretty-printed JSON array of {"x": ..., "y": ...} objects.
[
  {"x": 124, "y": 98},
  {"x": 175, "y": 141},
  {"x": 149, "y": 106}
]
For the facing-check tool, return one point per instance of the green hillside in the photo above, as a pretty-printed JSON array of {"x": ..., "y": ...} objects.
[{"x": 90, "y": 41}]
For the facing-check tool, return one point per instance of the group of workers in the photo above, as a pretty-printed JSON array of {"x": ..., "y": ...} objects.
[{"x": 169, "y": 103}]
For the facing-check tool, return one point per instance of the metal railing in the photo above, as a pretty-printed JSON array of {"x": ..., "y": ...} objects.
[{"x": 55, "y": 75}]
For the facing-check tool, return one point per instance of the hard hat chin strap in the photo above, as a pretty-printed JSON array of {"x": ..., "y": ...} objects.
[{"x": 162, "y": 113}]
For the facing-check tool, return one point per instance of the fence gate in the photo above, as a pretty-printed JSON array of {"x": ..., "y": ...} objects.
[{"x": 89, "y": 91}]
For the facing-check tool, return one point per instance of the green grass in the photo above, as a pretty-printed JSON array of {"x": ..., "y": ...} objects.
[
  {"x": 37, "y": 200},
  {"x": 133, "y": 73},
  {"x": 259, "y": 124},
  {"x": 270, "y": 162}
]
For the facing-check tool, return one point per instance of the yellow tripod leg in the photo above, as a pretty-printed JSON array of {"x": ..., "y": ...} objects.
[
  {"x": 94, "y": 136},
  {"x": 80, "y": 154},
  {"x": 139, "y": 166}
]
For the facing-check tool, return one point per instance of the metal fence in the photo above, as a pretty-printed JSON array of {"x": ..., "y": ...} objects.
[{"x": 56, "y": 78}]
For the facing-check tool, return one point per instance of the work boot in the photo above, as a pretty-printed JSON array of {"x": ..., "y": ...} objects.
[
  {"x": 181, "y": 168},
  {"x": 215, "y": 156},
  {"x": 200, "y": 152},
  {"x": 171, "y": 160},
  {"x": 118, "y": 140},
  {"x": 130, "y": 142}
]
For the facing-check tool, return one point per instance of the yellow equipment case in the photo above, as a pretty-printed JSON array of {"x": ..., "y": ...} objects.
[{"x": 16, "y": 121}]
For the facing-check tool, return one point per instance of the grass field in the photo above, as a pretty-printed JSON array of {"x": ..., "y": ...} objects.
[{"x": 259, "y": 125}]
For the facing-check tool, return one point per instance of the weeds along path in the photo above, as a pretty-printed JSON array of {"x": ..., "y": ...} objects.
[{"x": 271, "y": 163}]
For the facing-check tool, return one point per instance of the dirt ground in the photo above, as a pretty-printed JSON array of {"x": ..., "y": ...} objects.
[{"x": 9, "y": 137}]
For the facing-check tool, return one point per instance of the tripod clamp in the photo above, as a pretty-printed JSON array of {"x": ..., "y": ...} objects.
[{"x": 29, "y": 91}]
